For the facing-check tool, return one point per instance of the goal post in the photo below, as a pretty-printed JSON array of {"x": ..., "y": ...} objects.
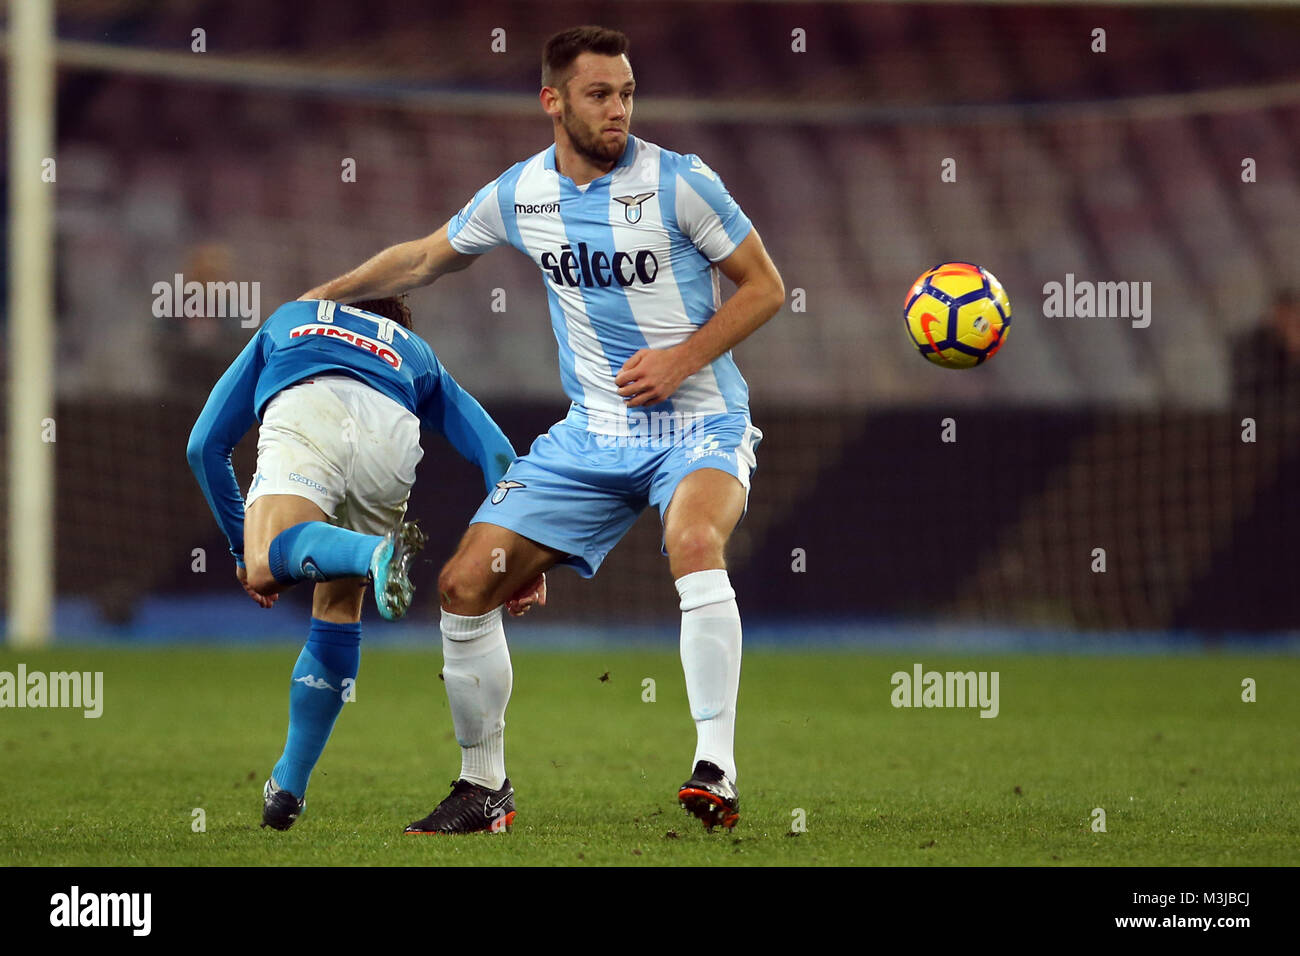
[{"x": 31, "y": 425}]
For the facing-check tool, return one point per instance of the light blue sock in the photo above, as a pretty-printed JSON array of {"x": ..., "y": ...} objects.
[
  {"x": 331, "y": 656},
  {"x": 318, "y": 551}
]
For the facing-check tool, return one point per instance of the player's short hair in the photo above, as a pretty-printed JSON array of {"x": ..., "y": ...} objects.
[
  {"x": 394, "y": 307},
  {"x": 566, "y": 46}
]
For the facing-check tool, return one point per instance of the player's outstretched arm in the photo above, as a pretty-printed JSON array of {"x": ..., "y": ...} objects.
[
  {"x": 652, "y": 375},
  {"x": 398, "y": 269},
  {"x": 456, "y": 414},
  {"x": 226, "y": 417}
]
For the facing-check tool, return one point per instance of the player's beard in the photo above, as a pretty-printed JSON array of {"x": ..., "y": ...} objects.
[{"x": 588, "y": 144}]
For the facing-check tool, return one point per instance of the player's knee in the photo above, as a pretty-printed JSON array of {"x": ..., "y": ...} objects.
[
  {"x": 696, "y": 548},
  {"x": 463, "y": 590}
]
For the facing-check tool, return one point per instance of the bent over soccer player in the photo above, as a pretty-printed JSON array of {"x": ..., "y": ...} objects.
[
  {"x": 341, "y": 393},
  {"x": 629, "y": 238}
]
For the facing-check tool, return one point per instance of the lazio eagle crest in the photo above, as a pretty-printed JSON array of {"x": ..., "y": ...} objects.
[{"x": 632, "y": 205}]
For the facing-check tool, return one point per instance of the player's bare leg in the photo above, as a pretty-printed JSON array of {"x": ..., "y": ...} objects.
[
  {"x": 338, "y": 602},
  {"x": 288, "y": 538},
  {"x": 492, "y": 567},
  {"x": 263, "y": 521},
  {"x": 699, "y": 520}
]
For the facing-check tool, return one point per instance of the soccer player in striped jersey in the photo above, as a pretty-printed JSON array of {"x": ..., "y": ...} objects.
[
  {"x": 341, "y": 393},
  {"x": 629, "y": 238}
]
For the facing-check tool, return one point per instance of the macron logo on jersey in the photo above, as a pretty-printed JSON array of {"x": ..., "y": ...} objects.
[
  {"x": 352, "y": 338},
  {"x": 533, "y": 208},
  {"x": 582, "y": 267}
]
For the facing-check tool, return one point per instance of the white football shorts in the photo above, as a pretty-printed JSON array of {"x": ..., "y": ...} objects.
[{"x": 343, "y": 445}]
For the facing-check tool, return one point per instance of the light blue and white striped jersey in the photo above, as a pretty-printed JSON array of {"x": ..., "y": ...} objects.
[{"x": 628, "y": 264}]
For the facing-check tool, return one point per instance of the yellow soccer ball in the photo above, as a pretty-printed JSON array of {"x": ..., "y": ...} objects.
[{"x": 957, "y": 314}]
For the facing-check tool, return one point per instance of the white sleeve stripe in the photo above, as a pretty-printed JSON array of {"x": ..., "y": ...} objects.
[
  {"x": 481, "y": 226},
  {"x": 709, "y": 233}
]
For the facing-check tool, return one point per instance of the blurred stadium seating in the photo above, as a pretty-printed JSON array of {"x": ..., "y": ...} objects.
[{"x": 1082, "y": 434}]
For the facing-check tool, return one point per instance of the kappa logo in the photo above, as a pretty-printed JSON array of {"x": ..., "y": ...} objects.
[
  {"x": 504, "y": 488},
  {"x": 314, "y": 682},
  {"x": 632, "y": 205},
  {"x": 304, "y": 480}
]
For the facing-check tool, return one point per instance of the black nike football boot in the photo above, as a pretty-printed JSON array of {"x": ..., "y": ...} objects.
[{"x": 470, "y": 808}]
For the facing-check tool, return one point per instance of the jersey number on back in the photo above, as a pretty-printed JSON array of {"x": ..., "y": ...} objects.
[{"x": 325, "y": 314}]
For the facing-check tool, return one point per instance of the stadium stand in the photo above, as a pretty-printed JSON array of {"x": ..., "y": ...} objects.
[{"x": 1084, "y": 433}]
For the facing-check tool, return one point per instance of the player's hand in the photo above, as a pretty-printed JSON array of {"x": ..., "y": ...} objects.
[
  {"x": 532, "y": 593},
  {"x": 652, "y": 375},
  {"x": 261, "y": 599}
]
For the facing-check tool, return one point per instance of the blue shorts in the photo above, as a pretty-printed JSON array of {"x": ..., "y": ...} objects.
[{"x": 579, "y": 492}]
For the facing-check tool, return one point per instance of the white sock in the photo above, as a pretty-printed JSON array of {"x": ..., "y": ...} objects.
[
  {"x": 711, "y": 660},
  {"x": 477, "y": 674}
]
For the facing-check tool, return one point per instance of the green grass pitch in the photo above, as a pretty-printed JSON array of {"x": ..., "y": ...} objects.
[{"x": 1186, "y": 772}]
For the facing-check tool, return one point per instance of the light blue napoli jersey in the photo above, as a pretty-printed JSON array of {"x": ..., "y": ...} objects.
[
  {"x": 628, "y": 262},
  {"x": 317, "y": 336}
]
